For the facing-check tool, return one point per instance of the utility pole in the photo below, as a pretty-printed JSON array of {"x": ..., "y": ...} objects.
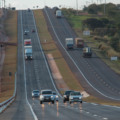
[
  {"x": 105, "y": 7},
  {"x": 77, "y": 6}
]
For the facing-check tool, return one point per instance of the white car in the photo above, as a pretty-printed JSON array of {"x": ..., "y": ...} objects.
[
  {"x": 47, "y": 96},
  {"x": 55, "y": 96},
  {"x": 26, "y": 32},
  {"x": 35, "y": 93},
  {"x": 75, "y": 97}
]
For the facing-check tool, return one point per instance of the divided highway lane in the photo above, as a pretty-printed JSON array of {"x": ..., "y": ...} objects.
[
  {"x": 38, "y": 77},
  {"x": 95, "y": 76},
  {"x": 19, "y": 110}
]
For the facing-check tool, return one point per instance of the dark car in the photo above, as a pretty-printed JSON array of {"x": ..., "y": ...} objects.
[
  {"x": 66, "y": 95},
  {"x": 33, "y": 30}
]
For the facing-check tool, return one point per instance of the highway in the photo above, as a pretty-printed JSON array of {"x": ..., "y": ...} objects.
[
  {"x": 94, "y": 75},
  {"x": 35, "y": 74}
]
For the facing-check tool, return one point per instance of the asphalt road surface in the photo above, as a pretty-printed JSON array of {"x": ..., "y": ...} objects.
[
  {"x": 94, "y": 75},
  {"x": 35, "y": 74}
]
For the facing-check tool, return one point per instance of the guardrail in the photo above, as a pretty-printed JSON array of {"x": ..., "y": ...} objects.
[{"x": 6, "y": 103}]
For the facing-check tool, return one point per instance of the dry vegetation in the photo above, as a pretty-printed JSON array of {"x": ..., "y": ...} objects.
[{"x": 10, "y": 57}]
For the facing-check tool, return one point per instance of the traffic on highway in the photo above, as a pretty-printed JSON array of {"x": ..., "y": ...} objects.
[{"x": 38, "y": 95}]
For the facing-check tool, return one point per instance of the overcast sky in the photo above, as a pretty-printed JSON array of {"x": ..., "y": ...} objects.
[{"x": 25, "y": 4}]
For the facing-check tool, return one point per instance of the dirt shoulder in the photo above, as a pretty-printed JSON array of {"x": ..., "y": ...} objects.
[{"x": 9, "y": 56}]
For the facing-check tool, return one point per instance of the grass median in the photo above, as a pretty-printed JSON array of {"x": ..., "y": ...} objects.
[{"x": 10, "y": 61}]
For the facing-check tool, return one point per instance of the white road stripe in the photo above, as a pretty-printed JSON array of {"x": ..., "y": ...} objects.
[{"x": 34, "y": 115}]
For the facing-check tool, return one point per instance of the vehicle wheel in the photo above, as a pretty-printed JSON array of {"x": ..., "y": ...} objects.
[
  {"x": 52, "y": 102},
  {"x": 80, "y": 101},
  {"x": 70, "y": 102},
  {"x": 64, "y": 101},
  {"x": 40, "y": 102}
]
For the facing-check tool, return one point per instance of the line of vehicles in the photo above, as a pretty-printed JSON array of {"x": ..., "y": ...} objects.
[
  {"x": 78, "y": 43},
  {"x": 72, "y": 43},
  {"x": 51, "y": 96},
  {"x": 28, "y": 46}
]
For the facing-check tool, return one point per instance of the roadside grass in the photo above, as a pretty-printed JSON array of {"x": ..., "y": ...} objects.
[
  {"x": 50, "y": 47},
  {"x": 76, "y": 24},
  {"x": 10, "y": 61}
]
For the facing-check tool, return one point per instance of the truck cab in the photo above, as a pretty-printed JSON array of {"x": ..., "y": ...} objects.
[
  {"x": 28, "y": 53},
  {"x": 79, "y": 42},
  {"x": 69, "y": 43},
  {"x": 58, "y": 13},
  {"x": 87, "y": 52}
]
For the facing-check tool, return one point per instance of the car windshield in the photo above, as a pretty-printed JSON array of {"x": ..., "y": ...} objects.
[
  {"x": 68, "y": 92},
  {"x": 36, "y": 91},
  {"x": 75, "y": 93},
  {"x": 47, "y": 92},
  {"x": 54, "y": 93}
]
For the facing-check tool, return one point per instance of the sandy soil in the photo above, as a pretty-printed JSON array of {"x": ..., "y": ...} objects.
[{"x": 58, "y": 77}]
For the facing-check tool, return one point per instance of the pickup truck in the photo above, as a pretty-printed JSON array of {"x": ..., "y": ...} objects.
[{"x": 47, "y": 96}]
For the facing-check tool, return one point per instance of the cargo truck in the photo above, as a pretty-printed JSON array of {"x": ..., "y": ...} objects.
[
  {"x": 27, "y": 42},
  {"x": 87, "y": 52},
  {"x": 28, "y": 52},
  {"x": 69, "y": 43},
  {"x": 58, "y": 13},
  {"x": 79, "y": 42}
]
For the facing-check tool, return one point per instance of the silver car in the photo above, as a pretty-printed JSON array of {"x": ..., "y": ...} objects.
[
  {"x": 47, "y": 96},
  {"x": 35, "y": 93},
  {"x": 75, "y": 97}
]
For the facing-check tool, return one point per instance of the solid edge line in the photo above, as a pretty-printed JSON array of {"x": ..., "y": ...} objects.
[{"x": 34, "y": 115}]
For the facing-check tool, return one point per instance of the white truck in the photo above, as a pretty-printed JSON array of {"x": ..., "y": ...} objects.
[
  {"x": 28, "y": 52},
  {"x": 58, "y": 13},
  {"x": 69, "y": 43}
]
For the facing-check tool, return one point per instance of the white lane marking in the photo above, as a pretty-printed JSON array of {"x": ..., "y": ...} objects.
[
  {"x": 34, "y": 115},
  {"x": 45, "y": 59},
  {"x": 105, "y": 118},
  {"x": 94, "y": 104},
  {"x": 95, "y": 115},
  {"x": 76, "y": 64}
]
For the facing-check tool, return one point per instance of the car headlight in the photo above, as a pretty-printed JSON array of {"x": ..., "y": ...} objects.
[
  {"x": 57, "y": 96},
  {"x": 42, "y": 97},
  {"x": 51, "y": 96},
  {"x": 71, "y": 97},
  {"x": 65, "y": 96},
  {"x": 80, "y": 97},
  {"x": 32, "y": 94}
]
